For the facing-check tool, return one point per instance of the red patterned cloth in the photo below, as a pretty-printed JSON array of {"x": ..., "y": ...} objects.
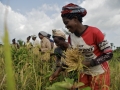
[
  {"x": 99, "y": 82},
  {"x": 73, "y": 8}
]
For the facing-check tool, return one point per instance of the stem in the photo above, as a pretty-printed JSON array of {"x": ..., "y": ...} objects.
[{"x": 78, "y": 77}]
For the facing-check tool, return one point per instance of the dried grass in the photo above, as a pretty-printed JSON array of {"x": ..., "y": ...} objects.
[{"x": 73, "y": 59}]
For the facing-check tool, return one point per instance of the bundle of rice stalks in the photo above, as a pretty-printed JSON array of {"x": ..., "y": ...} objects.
[{"x": 73, "y": 59}]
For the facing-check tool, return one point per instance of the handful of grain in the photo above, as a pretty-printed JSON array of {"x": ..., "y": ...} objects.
[{"x": 73, "y": 59}]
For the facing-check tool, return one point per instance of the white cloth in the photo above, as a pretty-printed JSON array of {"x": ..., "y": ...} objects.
[
  {"x": 79, "y": 41},
  {"x": 33, "y": 36},
  {"x": 58, "y": 33},
  {"x": 43, "y": 33},
  {"x": 36, "y": 43}
]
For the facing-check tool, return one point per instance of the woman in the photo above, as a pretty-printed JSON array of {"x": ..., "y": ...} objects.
[
  {"x": 36, "y": 42},
  {"x": 45, "y": 43},
  {"x": 45, "y": 48},
  {"x": 36, "y": 45},
  {"x": 14, "y": 44},
  {"x": 59, "y": 38},
  {"x": 93, "y": 45},
  {"x": 28, "y": 44}
]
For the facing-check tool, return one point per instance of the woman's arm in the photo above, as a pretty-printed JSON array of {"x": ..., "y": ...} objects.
[{"x": 55, "y": 74}]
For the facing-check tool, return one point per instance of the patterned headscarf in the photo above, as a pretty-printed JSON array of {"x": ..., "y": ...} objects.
[{"x": 73, "y": 8}]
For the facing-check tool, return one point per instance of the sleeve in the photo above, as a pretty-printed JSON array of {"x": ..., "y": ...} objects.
[
  {"x": 58, "y": 53},
  {"x": 104, "y": 46},
  {"x": 101, "y": 42}
]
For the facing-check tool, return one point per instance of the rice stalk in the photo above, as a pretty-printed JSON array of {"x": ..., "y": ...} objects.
[{"x": 73, "y": 59}]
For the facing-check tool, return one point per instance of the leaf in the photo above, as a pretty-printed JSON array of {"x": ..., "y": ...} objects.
[
  {"x": 87, "y": 88},
  {"x": 48, "y": 74},
  {"x": 10, "y": 80},
  {"x": 64, "y": 85},
  {"x": 78, "y": 84},
  {"x": 55, "y": 87},
  {"x": 69, "y": 80}
]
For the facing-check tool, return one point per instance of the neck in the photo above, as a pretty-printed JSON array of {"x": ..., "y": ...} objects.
[
  {"x": 65, "y": 46},
  {"x": 80, "y": 29}
]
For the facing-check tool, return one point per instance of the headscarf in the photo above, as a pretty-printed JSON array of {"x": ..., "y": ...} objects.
[
  {"x": 73, "y": 8},
  {"x": 58, "y": 33},
  {"x": 33, "y": 36},
  {"x": 43, "y": 33}
]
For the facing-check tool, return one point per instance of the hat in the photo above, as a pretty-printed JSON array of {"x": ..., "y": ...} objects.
[
  {"x": 43, "y": 33},
  {"x": 58, "y": 33},
  {"x": 33, "y": 36},
  {"x": 73, "y": 8}
]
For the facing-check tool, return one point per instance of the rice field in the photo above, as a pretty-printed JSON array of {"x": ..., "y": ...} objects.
[
  {"x": 31, "y": 73},
  {"x": 23, "y": 69}
]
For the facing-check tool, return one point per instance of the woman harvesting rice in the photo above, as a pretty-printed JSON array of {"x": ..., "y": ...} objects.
[
  {"x": 59, "y": 39},
  {"x": 45, "y": 46},
  {"x": 93, "y": 45}
]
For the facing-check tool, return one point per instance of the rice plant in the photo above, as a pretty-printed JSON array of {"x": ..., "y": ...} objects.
[{"x": 22, "y": 69}]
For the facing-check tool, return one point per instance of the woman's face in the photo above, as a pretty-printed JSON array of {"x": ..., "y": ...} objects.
[
  {"x": 58, "y": 42},
  {"x": 28, "y": 38},
  {"x": 70, "y": 24},
  {"x": 14, "y": 41},
  {"x": 33, "y": 38},
  {"x": 41, "y": 36}
]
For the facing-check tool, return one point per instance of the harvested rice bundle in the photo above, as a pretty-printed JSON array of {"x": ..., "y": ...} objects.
[{"x": 73, "y": 59}]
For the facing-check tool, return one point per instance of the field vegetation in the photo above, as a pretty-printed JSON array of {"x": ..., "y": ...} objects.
[{"x": 31, "y": 73}]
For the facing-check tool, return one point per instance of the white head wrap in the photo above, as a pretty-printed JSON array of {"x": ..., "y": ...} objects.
[
  {"x": 58, "y": 33},
  {"x": 33, "y": 36},
  {"x": 43, "y": 33}
]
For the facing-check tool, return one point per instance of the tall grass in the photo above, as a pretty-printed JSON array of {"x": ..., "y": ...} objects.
[
  {"x": 21, "y": 69},
  {"x": 9, "y": 70},
  {"x": 115, "y": 71},
  {"x": 31, "y": 73}
]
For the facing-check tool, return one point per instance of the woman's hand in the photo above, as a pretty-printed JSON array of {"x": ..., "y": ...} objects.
[
  {"x": 86, "y": 63},
  {"x": 55, "y": 74}
]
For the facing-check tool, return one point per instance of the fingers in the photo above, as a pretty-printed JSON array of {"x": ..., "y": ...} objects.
[{"x": 52, "y": 78}]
